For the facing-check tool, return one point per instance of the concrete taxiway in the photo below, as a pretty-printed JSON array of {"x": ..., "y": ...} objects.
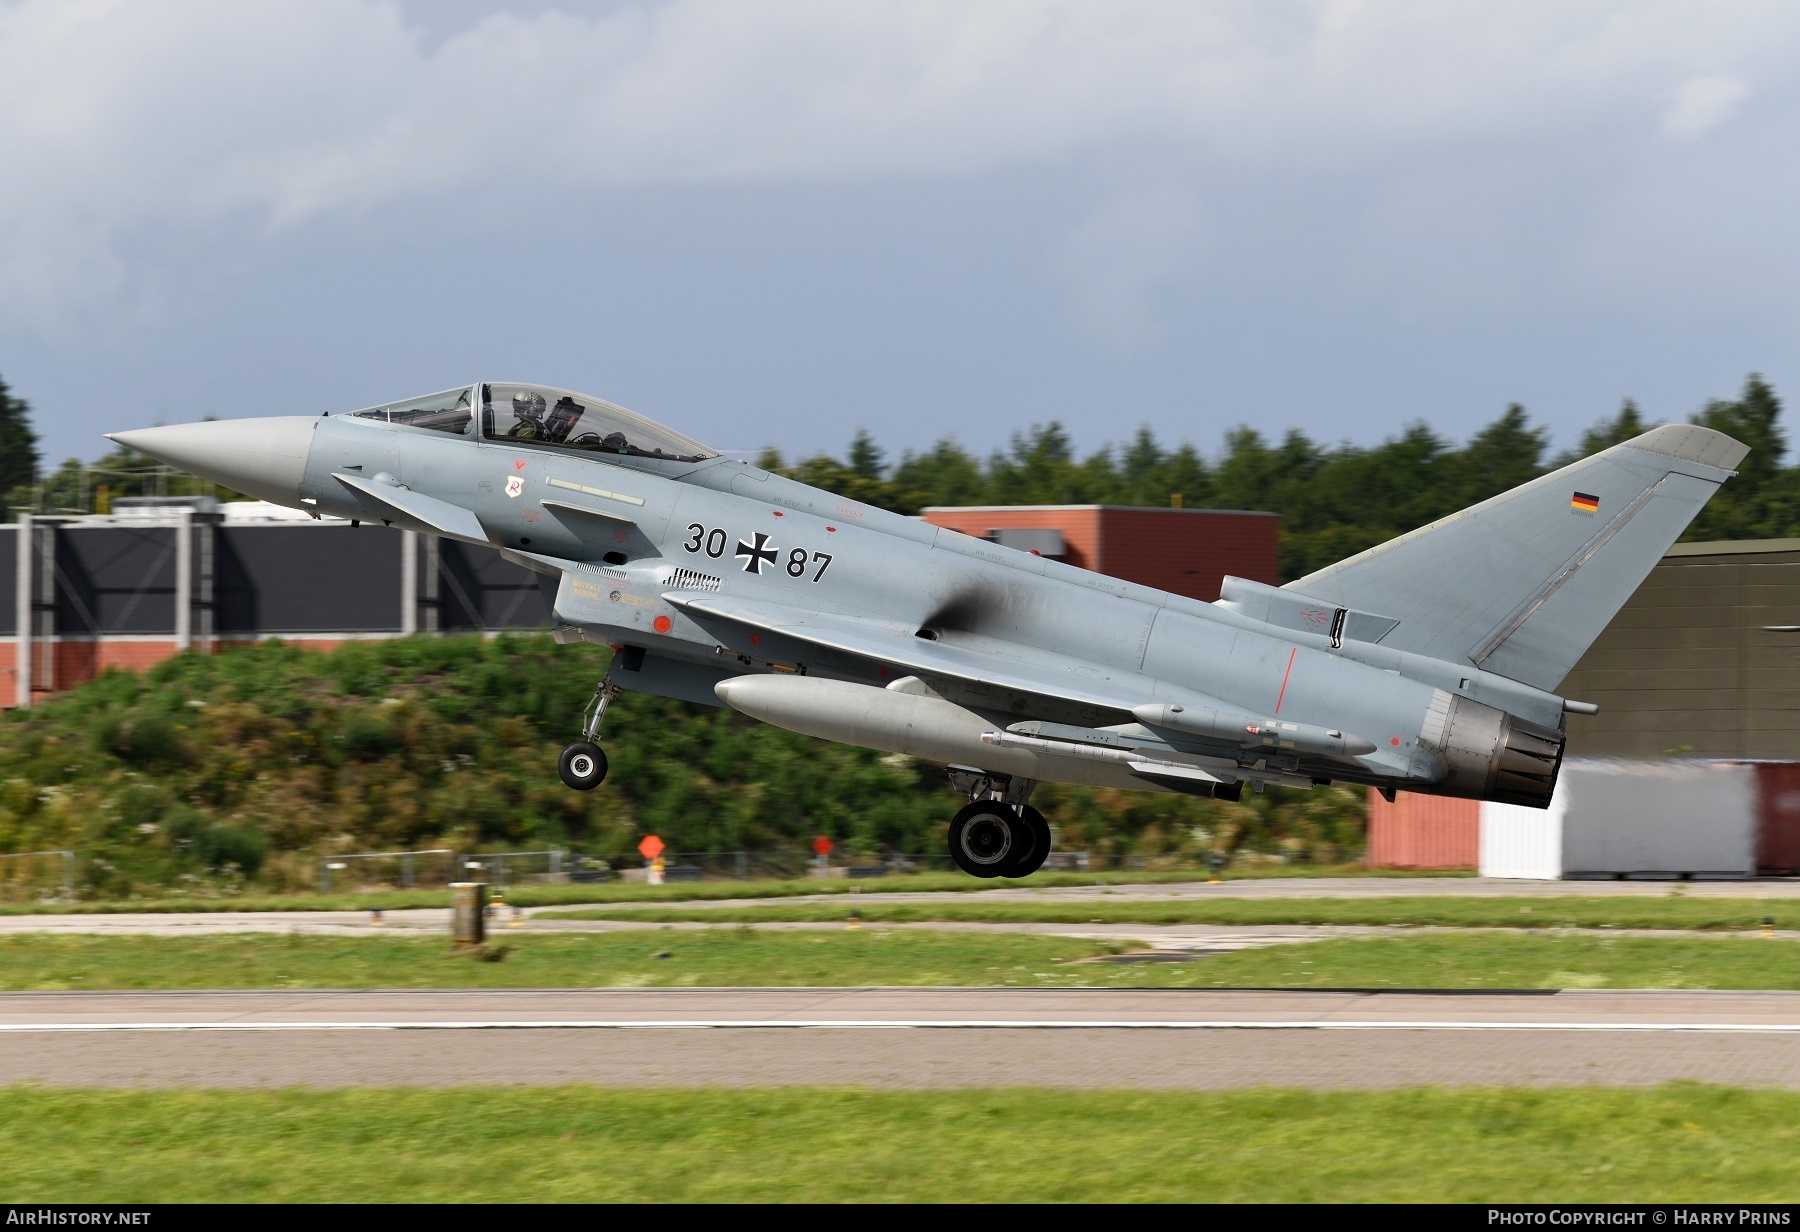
[
  {"x": 1300, "y": 887},
  {"x": 1187, "y": 938},
  {"x": 912, "y": 1037}
]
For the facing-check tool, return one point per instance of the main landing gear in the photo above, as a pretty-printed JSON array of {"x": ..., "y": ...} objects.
[
  {"x": 583, "y": 765},
  {"x": 997, "y": 833}
]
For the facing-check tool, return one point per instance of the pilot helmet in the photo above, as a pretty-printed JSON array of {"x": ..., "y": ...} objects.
[{"x": 528, "y": 404}]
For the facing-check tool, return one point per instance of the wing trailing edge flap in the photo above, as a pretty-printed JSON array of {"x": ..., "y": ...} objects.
[
  {"x": 437, "y": 515},
  {"x": 1004, "y": 665},
  {"x": 1522, "y": 584}
]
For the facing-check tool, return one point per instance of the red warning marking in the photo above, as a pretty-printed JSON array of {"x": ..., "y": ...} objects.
[
  {"x": 1394, "y": 740},
  {"x": 831, "y": 530},
  {"x": 778, "y": 513},
  {"x": 1284, "y": 678},
  {"x": 518, "y": 464},
  {"x": 662, "y": 624}
]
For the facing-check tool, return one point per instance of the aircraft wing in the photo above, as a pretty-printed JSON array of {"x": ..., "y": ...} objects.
[{"x": 961, "y": 656}]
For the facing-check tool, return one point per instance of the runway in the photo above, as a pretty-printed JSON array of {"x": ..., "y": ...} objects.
[{"x": 914, "y": 1037}]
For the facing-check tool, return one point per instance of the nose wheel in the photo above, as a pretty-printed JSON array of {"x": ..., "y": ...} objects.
[{"x": 583, "y": 764}]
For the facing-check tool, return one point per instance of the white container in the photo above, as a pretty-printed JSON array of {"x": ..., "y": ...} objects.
[
  {"x": 1522, "y": 842},
  {"x": 1629, "y": 819}
]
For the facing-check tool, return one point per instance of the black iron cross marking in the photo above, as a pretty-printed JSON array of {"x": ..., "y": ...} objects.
[{"x": 756, "y": 554}]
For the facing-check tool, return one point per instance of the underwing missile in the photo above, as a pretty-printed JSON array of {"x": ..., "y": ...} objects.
[{"x": 1248, "y": 731}]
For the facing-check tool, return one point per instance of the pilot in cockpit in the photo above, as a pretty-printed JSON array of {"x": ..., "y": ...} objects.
[{"x": 528, "y": 415}]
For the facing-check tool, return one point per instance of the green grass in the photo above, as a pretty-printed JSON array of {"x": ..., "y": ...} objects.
[
  {"x": 1490, "y": 960},
  {"x": 1676, "y": 1143},
  {"x": 721, "y": 957},
  {"x": 1662, "y": 911},
  {"x": 692, "y": 891},
  {"x": 724, "y": 957}
]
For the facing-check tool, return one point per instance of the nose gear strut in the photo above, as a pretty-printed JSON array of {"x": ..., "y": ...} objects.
[{"x": 583, "y": 764}]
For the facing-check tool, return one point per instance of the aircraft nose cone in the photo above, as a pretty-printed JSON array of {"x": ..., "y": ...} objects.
[{"x": 264, "y": 458}]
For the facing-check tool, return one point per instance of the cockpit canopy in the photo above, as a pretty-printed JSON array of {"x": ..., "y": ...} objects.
[{"x": 542, "y": 416}]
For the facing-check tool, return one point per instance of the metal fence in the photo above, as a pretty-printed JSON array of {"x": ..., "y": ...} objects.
[
  {"x": 363, "y": 870},
  {"x": 503, "y": 868},
  {"x": 758, "y": 865},
  {"x": 439, "y": 866},
  {"x": 49, "y": 876},
  {"x": 37, "y": 876}
]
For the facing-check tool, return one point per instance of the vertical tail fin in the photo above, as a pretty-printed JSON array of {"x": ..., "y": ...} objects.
[{"x": 1522, "y": 584}]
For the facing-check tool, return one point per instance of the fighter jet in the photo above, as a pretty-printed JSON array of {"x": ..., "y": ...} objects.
[{"x": 1428, "y": 664}]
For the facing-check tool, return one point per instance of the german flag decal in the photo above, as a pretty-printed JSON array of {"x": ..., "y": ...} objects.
[{"x": 1582, "y": 503}]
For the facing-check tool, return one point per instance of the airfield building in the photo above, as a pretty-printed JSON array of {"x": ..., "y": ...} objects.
[{"x": 160, "y": 575}]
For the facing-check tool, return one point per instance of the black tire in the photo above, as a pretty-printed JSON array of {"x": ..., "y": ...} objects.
[
  {"x": 982, "y": 837},
  {"x": 1033, "y": 849},
  {"x": 582, "y": 766}
]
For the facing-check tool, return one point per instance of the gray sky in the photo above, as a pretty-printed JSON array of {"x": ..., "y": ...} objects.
[{"x": 776, "y": 222}]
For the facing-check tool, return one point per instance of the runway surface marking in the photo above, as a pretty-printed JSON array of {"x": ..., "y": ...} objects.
[
  {"x": 892, "y": 1024},
  {"x": 900, "y": 1009}
]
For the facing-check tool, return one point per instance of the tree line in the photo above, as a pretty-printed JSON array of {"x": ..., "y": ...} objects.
[{"x": 1334, "y": 500}]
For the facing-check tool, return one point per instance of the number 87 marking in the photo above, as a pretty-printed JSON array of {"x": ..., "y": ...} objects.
[{"x": 796, "y": 563}]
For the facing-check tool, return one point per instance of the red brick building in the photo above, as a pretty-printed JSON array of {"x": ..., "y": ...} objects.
[{"x": 1183, "y": 551}]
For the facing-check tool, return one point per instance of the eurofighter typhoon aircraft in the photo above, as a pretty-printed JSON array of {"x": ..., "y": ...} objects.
[{"x": 1428, "y": 664}]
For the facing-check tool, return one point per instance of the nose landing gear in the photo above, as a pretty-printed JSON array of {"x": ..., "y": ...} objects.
[
  {"x": 997, "y": 834},
  {"x": 583, "y": 764}
]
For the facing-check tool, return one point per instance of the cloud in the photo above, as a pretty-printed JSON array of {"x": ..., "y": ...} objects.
[
  {"x": 1701, "y": 104},
  {"x": 1121, "y": 255},
  {"x": 124, "y": 118}
]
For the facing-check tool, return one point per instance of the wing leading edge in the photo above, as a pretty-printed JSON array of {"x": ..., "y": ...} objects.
[{"x": 1003, "y": 665}]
